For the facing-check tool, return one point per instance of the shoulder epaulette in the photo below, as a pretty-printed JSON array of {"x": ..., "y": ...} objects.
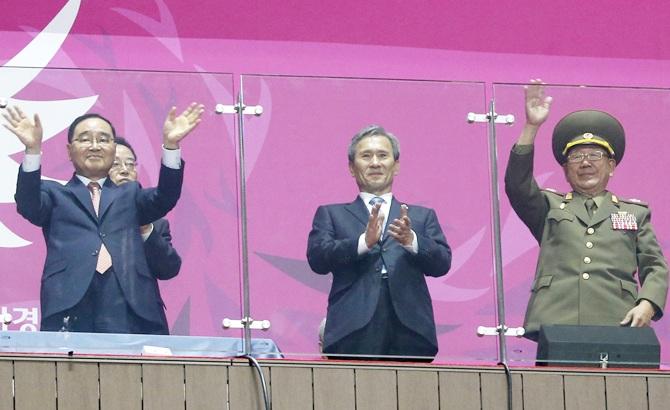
[
  {"x": 553, "y": 191},
  {"x": 631, "y": 201}
]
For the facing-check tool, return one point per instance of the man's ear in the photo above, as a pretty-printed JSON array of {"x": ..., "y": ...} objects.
[
  {"x": 612, "y": 166},
  {"x": 396, "y": 167},
  {"x": 351, "y": 169},
  {"x": 69, "y": 146}
]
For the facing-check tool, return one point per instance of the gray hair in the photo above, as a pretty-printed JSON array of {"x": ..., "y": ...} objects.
[{"x": 373, "y": 131}]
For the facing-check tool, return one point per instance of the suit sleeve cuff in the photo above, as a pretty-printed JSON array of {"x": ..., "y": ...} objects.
[{"x": 523, "y": 149}]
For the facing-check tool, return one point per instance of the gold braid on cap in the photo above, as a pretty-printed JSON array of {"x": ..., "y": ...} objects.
[{"x": 588, "y": 138}]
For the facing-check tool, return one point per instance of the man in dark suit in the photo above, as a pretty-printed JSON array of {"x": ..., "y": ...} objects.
[
  {"x": 163, "y": 259},
  {"x": 379, "y": 303},
  {"x": 96, "y": 277}
]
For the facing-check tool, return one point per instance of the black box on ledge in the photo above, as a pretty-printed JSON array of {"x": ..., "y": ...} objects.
[{"x": 598, "y": 346}]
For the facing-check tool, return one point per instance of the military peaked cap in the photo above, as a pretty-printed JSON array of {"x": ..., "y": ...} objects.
[{"x": 588, "y": 127}]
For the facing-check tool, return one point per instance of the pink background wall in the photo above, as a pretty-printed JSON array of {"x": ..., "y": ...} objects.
[{"x": 168, "y": 52}]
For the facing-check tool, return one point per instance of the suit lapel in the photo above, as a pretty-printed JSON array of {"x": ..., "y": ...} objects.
[
  {"x": 82, "y": 194},
  {"x": 359, "y": 210},
  {"x": 109, "y": 194},
  {"x": 577, "y": 207}
]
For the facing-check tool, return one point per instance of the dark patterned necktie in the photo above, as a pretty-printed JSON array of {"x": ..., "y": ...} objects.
[{"x": 376, "y": 200}]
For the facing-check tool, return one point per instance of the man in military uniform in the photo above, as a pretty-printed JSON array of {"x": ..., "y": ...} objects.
[{"x": 592, "y": 243}]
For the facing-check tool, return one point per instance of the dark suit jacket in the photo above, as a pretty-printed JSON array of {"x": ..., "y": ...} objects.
[
  {"x": 73, "y": 235},
  {"x": 164, "y": 261},
  {"x": 333, "y": 247}
]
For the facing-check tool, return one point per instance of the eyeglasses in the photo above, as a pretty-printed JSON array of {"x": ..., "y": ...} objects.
[
  {"x": 590, "y": 156},
  {"x": 87, "y": 141},
  {"x": 130, "y": 165}
]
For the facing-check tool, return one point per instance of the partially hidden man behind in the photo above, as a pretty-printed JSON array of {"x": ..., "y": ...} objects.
[
  {"x": 592, "y": 243},
  {"x": 163, "y": 260},
  {"x": 379, "y": 302},
  {"x": 96, "y": 277}
]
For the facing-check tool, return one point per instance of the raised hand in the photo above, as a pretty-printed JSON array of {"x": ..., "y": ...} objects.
[
  {"x": 178, "y": 127},
  {"x": 537, "y": 103},
  {"x": 28, "y": 131},
  {"x": 373, "y": 231},
  {"x": 401, "y": 228}
]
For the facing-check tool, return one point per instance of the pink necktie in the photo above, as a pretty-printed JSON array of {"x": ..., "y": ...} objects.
[{"x": 104, "y": 258}]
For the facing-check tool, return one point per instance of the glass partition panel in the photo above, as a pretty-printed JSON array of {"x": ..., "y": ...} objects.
[
  {"x": 586, "y": 274},
  {"x": 296, "y": 157},
  {"x": 203, "y": 225}
]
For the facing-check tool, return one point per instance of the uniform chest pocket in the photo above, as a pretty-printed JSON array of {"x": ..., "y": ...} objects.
[{"x": 558, "y": 215}]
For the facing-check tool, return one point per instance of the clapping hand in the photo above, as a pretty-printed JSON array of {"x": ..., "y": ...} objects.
[{"x": 401, "y": 228}]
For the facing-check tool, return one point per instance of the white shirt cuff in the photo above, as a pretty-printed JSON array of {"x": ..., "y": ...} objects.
[
  {"x": 31, "y": 162},
  {"x": 362, "y": 247},
  {"x": 172, "y": 158},
  {"x": 414, "y": 247}
]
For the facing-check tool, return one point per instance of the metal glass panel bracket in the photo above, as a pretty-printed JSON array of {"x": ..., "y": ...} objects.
[
  {"x": 501, "y": 330},
  {"x": 246, "y": 323}
]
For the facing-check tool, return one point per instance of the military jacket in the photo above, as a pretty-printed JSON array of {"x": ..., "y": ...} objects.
[{"x": 591, "y": 269}]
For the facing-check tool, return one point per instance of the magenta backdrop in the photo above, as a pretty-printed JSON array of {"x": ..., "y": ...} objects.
[{"x": 132, "y": 60}]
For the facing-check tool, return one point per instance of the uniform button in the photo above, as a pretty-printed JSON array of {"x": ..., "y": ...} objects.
[
  {"x": 590, "y": 231},
  {"x": 589, "y": 244},
  {"x": 587, "y": 259},
  {"x": 94, "y": 253},
  {"x": 585, "y": 276},
  {"x": 102, "y": 235},
  {"x": 562, "y": 206}
]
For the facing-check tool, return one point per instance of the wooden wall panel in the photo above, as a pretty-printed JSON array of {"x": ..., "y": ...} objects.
[
  {"x": 6, "y": 380},
  {"x": 292, "y": 388},
  {"x": 74, "y": 384},
  {"x": 418, "y": 390},
  {"x": 244, "y": 386},
  {"x": 543, "y": 391},
  {"x": 77, "y": 385},
  {"x": 623, "y": 392},
  {"x": 163, "y": 386},
  {"x": 460, "y": 390},
  {"x": 376, "y": 389},
  {"x": 206, "y": 387},
  {"x": 35, "y": 385},
  {"x": 120, "y": 386},
  {"x": 334, "y": 389},
  {"x": 494, "y": 391},
  {"x": 658, "y": 389},
  {"x": 584, "y": 392}
]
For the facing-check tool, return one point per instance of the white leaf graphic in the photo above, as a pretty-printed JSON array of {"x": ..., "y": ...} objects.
[
  {"x": 39, "y": 51},
  {"x": 56, "y": 115}
]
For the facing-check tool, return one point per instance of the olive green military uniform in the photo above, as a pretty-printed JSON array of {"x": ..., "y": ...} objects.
[{"x": 586, "y": 269}]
